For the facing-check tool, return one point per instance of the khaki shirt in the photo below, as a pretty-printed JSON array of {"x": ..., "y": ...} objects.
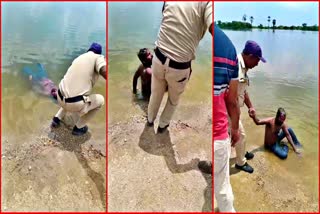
[
  {"x": 243, "y": 81},
  {"x": 183, "y": 26},
  {"x": 82, "y": 75}
]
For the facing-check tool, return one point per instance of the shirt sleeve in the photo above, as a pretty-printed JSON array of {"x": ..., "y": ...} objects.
[
  {"x": 235, "y": 73},
  {"x": 100, "y": 62},
  {"x": 208, "y": 14}
]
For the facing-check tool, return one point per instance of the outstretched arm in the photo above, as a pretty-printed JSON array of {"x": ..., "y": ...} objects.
[{"x": 258, "y": 121}]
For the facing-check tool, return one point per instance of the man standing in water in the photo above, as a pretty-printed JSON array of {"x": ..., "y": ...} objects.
[
  {"x": 225, "y": 103},
  {"x": 75, "y": 88},
  {"x": 248, "y": 59},
  {"x": 183, "y": 26}
]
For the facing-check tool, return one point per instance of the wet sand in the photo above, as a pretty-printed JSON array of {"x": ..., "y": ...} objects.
[
  {"x": 158, "y": 172},
  {"x": 51, "y": 170}
]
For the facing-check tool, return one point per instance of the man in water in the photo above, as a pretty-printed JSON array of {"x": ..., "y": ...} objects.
[
  {"x": 74, "y": 94},
  {"x": 248, "y": 59},
  {"x": 144, "y": 72},
  {"x": 41, "y": 82},
  {"x": 275, "y": 131},
  {"x": 182, "y": 27}
]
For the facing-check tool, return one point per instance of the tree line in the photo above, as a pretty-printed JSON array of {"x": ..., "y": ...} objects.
[{"x": 244, "y": 25}]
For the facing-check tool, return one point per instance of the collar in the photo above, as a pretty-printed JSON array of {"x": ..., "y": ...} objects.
[{"x": 243, "y": 77}]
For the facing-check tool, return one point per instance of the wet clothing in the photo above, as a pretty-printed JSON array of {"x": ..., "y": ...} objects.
[{"x": 280, "y": 149}]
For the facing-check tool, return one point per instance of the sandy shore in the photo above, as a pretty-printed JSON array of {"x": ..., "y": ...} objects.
[
  {"x": 158, "y": 172},
  {"x": 51, "y": 170}
]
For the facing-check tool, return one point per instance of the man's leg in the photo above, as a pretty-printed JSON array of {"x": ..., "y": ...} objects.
[
  {"x": 95, "y": 102},
  {"x": 294, "y": 137},
  {"x": 158, "y": 87},
  {"x": 222, "y": 186},
  {"x": 240, "y": 147},
  {"x": 280, "y": 150},
  {"x": 177, "y": 80}
]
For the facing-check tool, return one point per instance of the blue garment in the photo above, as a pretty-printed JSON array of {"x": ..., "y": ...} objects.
[
  {"x": 37, "y": 75},
  {"x": 280, "y": 149}
]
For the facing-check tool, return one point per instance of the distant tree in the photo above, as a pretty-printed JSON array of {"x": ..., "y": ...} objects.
[
  {"x": 244, "y": 17},
  {"x": 273, "y": 23},
  {"x": 260, "y": 26},
  {"x": 304, "y": 25},
  {"x": 251, "y": 19},
  {"x": 219, "y": 22},
  {"x": 269, "y": 18}
]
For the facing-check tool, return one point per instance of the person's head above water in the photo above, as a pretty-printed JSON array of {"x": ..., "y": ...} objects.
[
  {"x": 95, "y": 48},
  {"x": 252, "y": 54},
  {"x": 145, "y": 57},
  {"x": 281, "y": 116}
]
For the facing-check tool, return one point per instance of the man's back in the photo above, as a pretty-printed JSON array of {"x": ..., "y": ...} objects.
[
  {"x": 82, "y": 74},
  {"x": 182, "y": 27}
]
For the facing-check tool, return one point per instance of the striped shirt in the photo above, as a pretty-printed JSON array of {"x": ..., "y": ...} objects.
[{"x": 225, "y": 69}]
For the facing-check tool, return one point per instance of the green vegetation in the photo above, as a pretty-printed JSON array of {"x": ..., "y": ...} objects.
[{"x": 244, "y": 25}]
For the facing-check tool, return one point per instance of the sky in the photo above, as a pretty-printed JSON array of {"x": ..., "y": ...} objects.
[{"x": 285, "y": 13}]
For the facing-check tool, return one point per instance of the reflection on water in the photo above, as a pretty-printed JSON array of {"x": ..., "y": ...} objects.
[
  {"x": 289, "y": 79},
  {"x": 138, "y": 28},
  {"x": 52, "y": 34}
]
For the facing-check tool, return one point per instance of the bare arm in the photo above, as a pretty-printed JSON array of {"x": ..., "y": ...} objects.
[
  {"x": 233, "y": 110},
  {"x": 232, "y": 104},
  {"x": 135, "y": 79},
  {"x": 247, "y": 100},
  {"x": 103, "y": 72},
  {"x": 288, "y": 136},
  {"x": 258, "y": 121}
]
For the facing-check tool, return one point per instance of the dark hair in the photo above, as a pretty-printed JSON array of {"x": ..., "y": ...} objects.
[
  {"x": 142, "y": 55},
  {"x": 280, "y": 112}
]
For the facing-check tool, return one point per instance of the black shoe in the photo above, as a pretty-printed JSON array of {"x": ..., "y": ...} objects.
[
  {"x": 150, "y": 124},
  {"x": 55, "y": 122},
  {"x": 205, "y": 167},
  {"x": 246, "y": 167},
  {"x": 249, "y": 155},
  {"x": 79, "y": 131},
  {"x": 161, "y": 130}
]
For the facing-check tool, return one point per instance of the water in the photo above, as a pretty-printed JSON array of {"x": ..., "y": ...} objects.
[
  {"x": 289, "y": 79},
  {"x": 52, "y": 34},
  {"x": 138, "y": 28}
]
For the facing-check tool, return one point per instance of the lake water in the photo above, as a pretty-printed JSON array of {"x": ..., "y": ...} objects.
[
  {"x": 52, "y": 34},
  {"x": 290, "y": 80}
]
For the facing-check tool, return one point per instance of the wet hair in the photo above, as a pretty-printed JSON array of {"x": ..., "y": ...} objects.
[
  {"x": 142, "y": 55},
  {"x": 281, "y": 112}
]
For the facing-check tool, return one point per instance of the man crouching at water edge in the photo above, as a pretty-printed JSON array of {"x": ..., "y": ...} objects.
[
  {"x": 144, "y": 72},
  {"x": 75, "y": 88},
  {"x": 275, "y": 131}
]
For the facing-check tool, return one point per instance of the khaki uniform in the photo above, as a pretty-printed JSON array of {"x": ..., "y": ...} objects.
[
  {"x": 79, "y": 80},
  {"x": 183, "y": 26},
  {"x": 240, "y": 146}
]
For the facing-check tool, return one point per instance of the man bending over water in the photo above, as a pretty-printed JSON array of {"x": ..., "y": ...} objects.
[{"x": 275, "y": 131}]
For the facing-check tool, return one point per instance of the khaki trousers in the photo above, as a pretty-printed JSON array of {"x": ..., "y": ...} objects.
[
  {"x": 163, "y": 76},
  {"x": 86, "y": 110}
]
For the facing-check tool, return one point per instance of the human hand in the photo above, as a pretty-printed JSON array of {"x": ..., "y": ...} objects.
[
  {"x": 235, "y": 136},
  {"x": 252, "y": 112}
]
